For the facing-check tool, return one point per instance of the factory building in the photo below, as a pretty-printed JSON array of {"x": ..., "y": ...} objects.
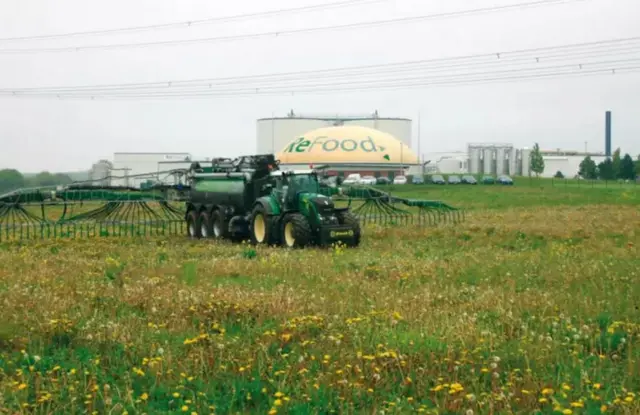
[
  {"x": 133, "y": 169},
  {"x": 273, "y": 134},
  {"x": 348, "y": 149}
]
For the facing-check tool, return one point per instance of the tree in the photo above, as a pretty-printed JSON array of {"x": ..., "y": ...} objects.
[
  {"x": 605, "y": 170},
  {"x": 616, "y": 164},
  {"x": 638, "y": 165},
  {"x": 10, "y": 179},
  {"x": 47, "y": 179},
  {"x": 588, "y": 169},
  {"x": 559, "y": 175},
  {"x": 627, "y": 168},
  {"x": 536, "y": 160}
]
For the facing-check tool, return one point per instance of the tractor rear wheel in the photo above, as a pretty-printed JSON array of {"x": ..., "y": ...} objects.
[
  {"x": 220, "y": 228},
  {"x": 193, "y": 225},
  {"x": 205, "y": 225},
  {"x": 260, "y": 227},
  {"x": 296, "y": 231},
  {"x": 349, "y": 219}
]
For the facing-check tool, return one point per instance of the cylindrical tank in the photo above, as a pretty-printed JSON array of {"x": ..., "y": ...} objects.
[
  {"x": 474, "y": 160},
  {"x": 100, "y": 172},
  {"x": 500, "y": 160},
  {"x": 488, "y": 161},
  {"x": 226, "y": 189},
  {"x": 526, "y": 163},
  {"x": 513, "y": 155}
]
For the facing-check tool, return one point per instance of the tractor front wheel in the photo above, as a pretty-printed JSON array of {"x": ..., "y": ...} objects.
[{"x": 296, "y": 231}]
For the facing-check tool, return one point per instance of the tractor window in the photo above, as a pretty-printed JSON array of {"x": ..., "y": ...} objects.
[{"x": 304, "y": 183}]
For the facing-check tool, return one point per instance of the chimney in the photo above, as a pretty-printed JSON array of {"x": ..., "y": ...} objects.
[{"x": 607, "y": 136}]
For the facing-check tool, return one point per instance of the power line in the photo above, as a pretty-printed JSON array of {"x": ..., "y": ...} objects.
[
  {"x": 190, "y": 23},
  {"x": 540, "y": 55},
  {"x": 410, "y": 19},
  {"x": 396, "y": 86},
  {"x": 612, "y": 67}
]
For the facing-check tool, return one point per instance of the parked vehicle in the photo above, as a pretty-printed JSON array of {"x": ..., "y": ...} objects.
[
  {"x": 352, "y": 179},
  {"x": 417, "y": 180},
  {"x": 383, "y": 180},
  {"x": 468, "y": 179},
  {"x": 453, "y": 179},
  {"x": 437, "y": 179},
  {"x": 488, "y": 180},
  {"x": 367, "y": 180},
  {"x": 505, "y": 180},
  {"x": 400, "y": 180}
]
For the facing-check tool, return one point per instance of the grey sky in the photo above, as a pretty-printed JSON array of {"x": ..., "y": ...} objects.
[{"x": 39, "y": 134}]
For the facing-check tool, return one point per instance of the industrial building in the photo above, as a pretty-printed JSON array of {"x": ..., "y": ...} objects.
[
  {"x": 273, "y": 134},
  {"x": 348, "y": 149},
  {"x": 132, "y": 169}
]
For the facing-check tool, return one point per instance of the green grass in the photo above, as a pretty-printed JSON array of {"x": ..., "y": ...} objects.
[
  {"x": 525, "y": 193},
  {"x": 530, "y": 306}
]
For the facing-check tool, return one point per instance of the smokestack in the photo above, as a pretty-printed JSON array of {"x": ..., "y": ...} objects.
[{"x": 607, "y": 137}]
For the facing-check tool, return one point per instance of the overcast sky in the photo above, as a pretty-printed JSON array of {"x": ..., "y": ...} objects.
[{"x": 57, "y": 135}]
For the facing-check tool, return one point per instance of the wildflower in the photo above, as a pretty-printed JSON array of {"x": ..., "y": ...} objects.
[
  {"x": 184, "y": 408},
  {"x": 547, "y": 391}
]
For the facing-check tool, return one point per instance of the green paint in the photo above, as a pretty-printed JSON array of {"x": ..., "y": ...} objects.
[
  {"x": 272, "y": 202},
  {"x": 220, "y": 186},
  {"x": 324, "y": 143}
]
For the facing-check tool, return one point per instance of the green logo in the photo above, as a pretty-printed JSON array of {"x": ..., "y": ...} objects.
[
  {"x": 335, "y": 234},
  {"x": 324, "y": 143}
]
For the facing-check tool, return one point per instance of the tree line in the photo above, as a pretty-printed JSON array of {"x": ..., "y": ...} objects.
[
  {"x": 11, "y": 179},
  {"x": 616, "y": 167}
]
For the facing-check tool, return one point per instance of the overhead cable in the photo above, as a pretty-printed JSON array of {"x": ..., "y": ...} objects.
[
  {"x": 190, "y": 23},
  {"x": 569, "y": 54},
  {"x": 359, "y": 25}
]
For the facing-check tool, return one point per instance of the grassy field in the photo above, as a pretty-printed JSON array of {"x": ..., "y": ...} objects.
[{"x": 531, "y": 306}]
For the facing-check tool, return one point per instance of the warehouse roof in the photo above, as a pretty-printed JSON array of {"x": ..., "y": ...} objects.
[{"x": 346, "y": 145}]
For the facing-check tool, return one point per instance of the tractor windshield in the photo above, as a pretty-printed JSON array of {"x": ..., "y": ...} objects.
[{"x": 304, "y": 183}]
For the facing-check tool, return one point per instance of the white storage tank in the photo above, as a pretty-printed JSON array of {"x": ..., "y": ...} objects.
[
  {"x": 488, "y": 161},
  {"x": 273, "y": 134},
  {"x": 525, "y": 154},
  {"x": 100, "y": 172},
  {"x": 474, "y": 160},
  {"x": 500, "y": 160},
  {"x": 513, "y": 155}
]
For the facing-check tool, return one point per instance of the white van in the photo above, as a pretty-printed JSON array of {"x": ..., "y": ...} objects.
[{"x": 353, "y": 178}]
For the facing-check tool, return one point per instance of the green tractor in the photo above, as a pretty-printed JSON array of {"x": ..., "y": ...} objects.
[{"x": 251, "y": 198}]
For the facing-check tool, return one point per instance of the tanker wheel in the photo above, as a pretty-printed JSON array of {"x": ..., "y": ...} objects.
[
  {"x": 206, "y": 228},
  {"x": 220, "y": 226},
  {"x": 351, "y": 220},
  {"x": 259, "y": 226},
  {"x": 296, "y": 231},
  {"x": 193, "y": 225}
]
